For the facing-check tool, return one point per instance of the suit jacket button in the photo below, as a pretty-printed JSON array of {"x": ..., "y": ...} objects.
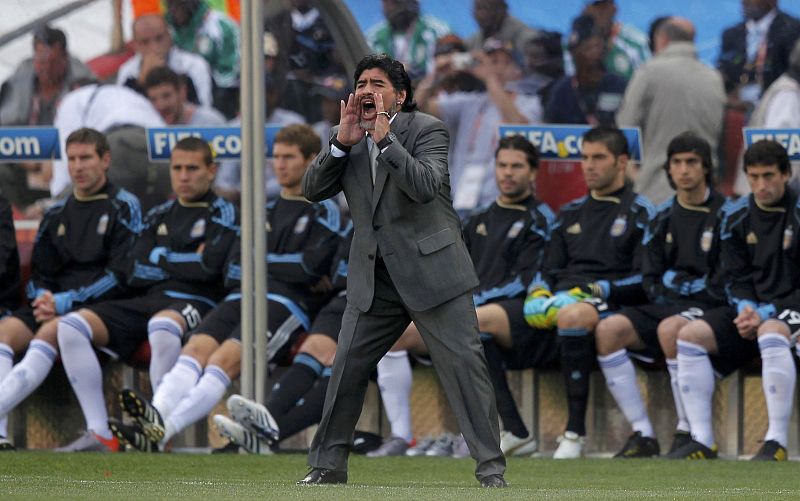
[{"x": 371, "y": 256}]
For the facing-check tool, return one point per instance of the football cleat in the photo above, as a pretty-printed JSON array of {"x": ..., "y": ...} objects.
[
  {"x": 570, "y": 446},
  {"x": 680, "y": 439},
  {"x": 442, "y": 447},
  {"x": 148, "y": 418},
  {"x": 241, "y": 436},
  {"x": 89, "y": 441},
  {"x": 5, "y": 445},
  {"x": 771, "y": 451},
  {"x": 254, "y": 417},
  {"x": 512, "y": 445},
  {"x": 421, "y": 448},
  {"x": 132, "y": 434},
  {"x": 694, "y": 450},
  {"x": 638, "y": 446},
  {"x": 391, "y": 446}
]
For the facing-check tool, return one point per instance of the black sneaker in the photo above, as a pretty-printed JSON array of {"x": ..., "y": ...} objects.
[
  {"x": 133, "y": 435},
  {"x": 694, "y": 450},
  {"x": 638, "y": 446},
  {"x": 137, "y": 407},
  {"x": 680, "y": 439},
  {"x": 229, "y": 448},
  {"x": 5, "y": 445},
  {"x": 771, "y": 451}
]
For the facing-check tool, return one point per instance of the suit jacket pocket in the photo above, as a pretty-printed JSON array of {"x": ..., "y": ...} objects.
[{"x": 437, "y": 241}]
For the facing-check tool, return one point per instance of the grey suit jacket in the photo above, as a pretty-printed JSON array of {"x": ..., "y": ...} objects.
[{"x": 408, "y": 214}]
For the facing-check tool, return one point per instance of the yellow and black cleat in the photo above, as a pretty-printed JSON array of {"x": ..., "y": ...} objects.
[
  {"x": 771, "y": 451},
  {"x": 694, "y": 450}
]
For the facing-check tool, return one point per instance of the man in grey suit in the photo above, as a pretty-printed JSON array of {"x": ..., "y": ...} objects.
[{"x": 408, "y": 262}]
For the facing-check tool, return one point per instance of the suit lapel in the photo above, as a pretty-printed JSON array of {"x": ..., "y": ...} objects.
[{"x": 400, "y": 128}]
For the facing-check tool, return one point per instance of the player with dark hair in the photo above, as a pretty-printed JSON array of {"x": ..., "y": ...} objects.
[
  {"x": 593, "y": 264},
  {"x": 759, "y": 250},
  {"x": 303, "y": 238},
  {"x": 178, "y": 262},
  {"x": 79, "y": 257},
  {"x": 681, "y": 277}
]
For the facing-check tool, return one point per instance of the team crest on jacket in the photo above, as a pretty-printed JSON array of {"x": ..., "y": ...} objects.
[
  {"x": 102, "y": 224},
  {"x": 668, "y": 238},
  {"x": 706, "y": 239},
  {"x": 198, "y": 229},
  {"x": 61, "y": 231},
  {"x": 515, "y": 229},
  {"x": 619, "y": 226},
  {"x": 574, "y": 229},
  {"x": 162, "y": 230},
  {"x": 301, "y": 225},
  {"x": 752, "y": 239},
  {"x": 481, "y": 230},
  {"x": 788, "y": 233}
]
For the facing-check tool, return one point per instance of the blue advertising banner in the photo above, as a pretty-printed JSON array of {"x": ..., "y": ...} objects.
[
  {"x": 789, "y": 139},
  {"x": 226, "y": 141},
  {"x": 563, "y": 142},
  {"x": 26, "y": 144}
]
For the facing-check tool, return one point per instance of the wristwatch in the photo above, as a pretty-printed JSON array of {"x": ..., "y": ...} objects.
[{"x": 386, "y": 141}]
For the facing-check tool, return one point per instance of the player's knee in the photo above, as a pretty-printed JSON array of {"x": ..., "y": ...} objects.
[
  {"x": 697, "y": 332},
  {"x": 14, "y": 334},
  {"x": 320, "y": 347},
  {"x": 774, "y": 327},
  {"x": 577, "y": 316},
  {"x": 49, "y": 333},
  {"x": 228, "y": 357},
  {"x": 200, "y": 347},
  {"x": 609, "y": 335},
  {"x": 668, "y": 333}
]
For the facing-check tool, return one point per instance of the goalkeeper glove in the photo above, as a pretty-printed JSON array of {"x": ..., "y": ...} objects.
[
  {"x": 600, "y": 288},
  {"x": 535, "y": 311}
]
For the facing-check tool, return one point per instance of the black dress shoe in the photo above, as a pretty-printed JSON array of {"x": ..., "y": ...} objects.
[
  {"x": 318, "y": 476},
  {"x": 494, "y": 481}
]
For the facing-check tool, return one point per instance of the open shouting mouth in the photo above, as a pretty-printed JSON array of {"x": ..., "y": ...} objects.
[{"x": 368, "y": 110}]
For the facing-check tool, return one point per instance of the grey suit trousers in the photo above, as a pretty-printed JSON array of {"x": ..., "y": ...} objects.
[{"x": 451, "y": 335}]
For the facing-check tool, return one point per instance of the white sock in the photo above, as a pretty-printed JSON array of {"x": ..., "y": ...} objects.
[
  {"x": 26, "y": 376},
  {"x": 672, "y": 367},
  {"x": 621, "y": 381},
  {"x": 778, "y": 378},
  {"x": 83, "y": 371},
  {"x": 394, "y": 381},
  {"x": 6, "y": 363},
  {"x": 165, "y": 337},
  {"x": 696, "y": 380},
  {"x": 199, "y": 402},
  {"x": 176, "y": 384}
]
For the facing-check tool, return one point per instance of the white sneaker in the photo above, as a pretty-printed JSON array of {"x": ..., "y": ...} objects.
[
  {"x": 570, "y": 446},
  {"x": 512, "y": 445},
  {"x": 240, "y": 436},
  {"x": 254, "y": 417}
]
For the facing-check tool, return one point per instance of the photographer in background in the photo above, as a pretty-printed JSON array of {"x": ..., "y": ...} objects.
[{"x": 475, "y": 116}]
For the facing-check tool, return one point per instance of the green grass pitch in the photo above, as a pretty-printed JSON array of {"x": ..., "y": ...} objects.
[{"x": 46, "y": 475}]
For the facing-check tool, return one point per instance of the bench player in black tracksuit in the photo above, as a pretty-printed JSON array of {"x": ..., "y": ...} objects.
[
  {"x": 301, "y": 242},
  {"x": 593, "y": 265},
  {"x": 177, "y": 263},
  {"x": 79, "y": 257},
  {"x": 760, "y": 252},
  {"x": 682, "y": 280}
]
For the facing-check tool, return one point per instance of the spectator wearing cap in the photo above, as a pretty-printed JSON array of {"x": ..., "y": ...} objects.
[
  {"x": 215, "y": 36},
  {"x": 166, "y": 91},
  {"x": 408, "y": 36},
  {"x": 153, "y": 44},
  {"x": 670, "y": 94},
  {"x": 628, "y": 47},
  {"x": 331, "y": 91},
  {"x": 30, "y": 96},
  {"x": 592, "y": 95},
  {"x": 473, "y": 119},
  {"x": 494, "y": 21}
]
